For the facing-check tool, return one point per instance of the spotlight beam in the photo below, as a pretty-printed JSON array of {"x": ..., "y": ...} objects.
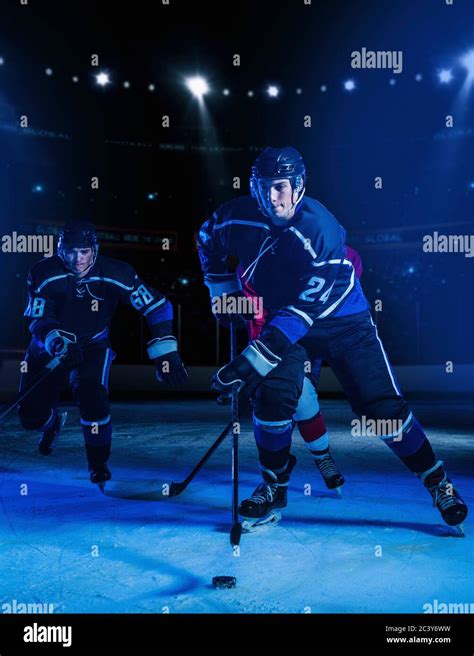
[{"x": 468, "y": 62}]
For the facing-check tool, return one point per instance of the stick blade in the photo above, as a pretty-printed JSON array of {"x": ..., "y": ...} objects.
[
  {"x": 235, "y": 534},
  {"x": 176, "y": 488}
]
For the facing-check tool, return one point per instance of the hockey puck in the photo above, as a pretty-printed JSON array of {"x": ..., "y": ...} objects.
[{"x": 222, "y": 582}]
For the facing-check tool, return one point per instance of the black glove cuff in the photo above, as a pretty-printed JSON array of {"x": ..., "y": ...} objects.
[{"x": 275, "y": 340}]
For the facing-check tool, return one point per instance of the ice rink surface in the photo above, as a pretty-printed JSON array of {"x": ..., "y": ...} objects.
[{"x": 381, "y": 548}]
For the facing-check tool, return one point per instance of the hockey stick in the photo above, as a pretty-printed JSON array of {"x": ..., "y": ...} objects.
[
  {"x": 177, "y": 488},
  {"x": 49, "y": 368},
  {"x": 236, "y": 530}
]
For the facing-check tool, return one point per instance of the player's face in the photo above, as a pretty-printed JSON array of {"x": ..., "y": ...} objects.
[
  {"x": 79, "y": 259},
  {"x": 278, "y": 198}
]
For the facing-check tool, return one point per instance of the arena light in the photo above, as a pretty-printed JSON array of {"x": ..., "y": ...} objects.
[
  {"x": 349, "y": 85},
  {"x": 273, "y": 91},
  {"x": 198, "y": 86},
  {"x": 102, "y": 79},
  {"x": 445, "y": 76}
]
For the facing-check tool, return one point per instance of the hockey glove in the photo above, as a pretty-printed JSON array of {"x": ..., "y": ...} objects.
[
  {"x": 228, "y": 301},
  {"x": 247, "y": 370},
  {"x": 62, "y": 345},
  {"x": 169, "y": 366}
]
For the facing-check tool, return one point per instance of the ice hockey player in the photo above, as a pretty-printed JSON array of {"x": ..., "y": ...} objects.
[
  {"x": 292, "y": 251},
  {"x": 71, "y": 301},
  {"x": 308, "y": 416}
]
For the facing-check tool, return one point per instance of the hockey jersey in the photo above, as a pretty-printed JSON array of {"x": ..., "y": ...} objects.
[
  {"x": 84, "y": 307},
  {"x": 301, "y": 270}
]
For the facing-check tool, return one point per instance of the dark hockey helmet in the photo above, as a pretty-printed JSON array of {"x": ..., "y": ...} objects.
[
  {"x": 78, "y": 234},
  {"x": 275, "y": 163}
]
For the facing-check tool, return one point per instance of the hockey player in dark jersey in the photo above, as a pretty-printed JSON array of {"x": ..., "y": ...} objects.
[
  {"x": 308, "y": 416},
  {"x": 71, "y": 301},
  {"x": 292, "y": 251}
]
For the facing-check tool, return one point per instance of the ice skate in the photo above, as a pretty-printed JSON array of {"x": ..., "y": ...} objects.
[
  {"x": 332, "y": 477},
  {"x": 262, "y": 508},
  {"x": 445, "y": 496},
  {"x": 97, "y": 457},
  {"x": 100, "y": 475}
]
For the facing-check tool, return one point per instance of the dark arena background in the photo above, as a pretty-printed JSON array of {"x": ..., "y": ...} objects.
[{"x": 143, "y": 118}]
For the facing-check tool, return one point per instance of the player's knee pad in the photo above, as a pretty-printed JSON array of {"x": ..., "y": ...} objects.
[
  {"x": 392, "y": 410},
  {"x": 272, "y": 435},
  {"x": 390, "y": 419},
  {"x": 93, "y": 400},
  {"x": 274, "y": 403},
  {"x": 308, "y": 404},
  {"x": 34, "y": 419}
]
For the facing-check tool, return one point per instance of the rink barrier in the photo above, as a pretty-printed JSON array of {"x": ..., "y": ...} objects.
[{"x": 413, "y": 380}]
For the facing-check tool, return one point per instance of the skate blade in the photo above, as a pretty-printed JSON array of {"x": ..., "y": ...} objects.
[
  {"x": 338, "y": 491},
  {"x": 101, "y": 487},
  {"x": 253, "y": 524},
  {"x": 458, "y": 531}
]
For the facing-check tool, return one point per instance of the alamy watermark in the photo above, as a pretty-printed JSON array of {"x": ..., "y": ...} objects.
[
  {"x": 444, "y": 608},
  {"x": 391, "y": 59},
  {"x": 18, "y": 607},
  {"x": 38, "y": 633},
  {"x": 384, "y": 428},
  {"x": 16, "y": 243},
  {"x": 244, "y": 305},
  {"x": 437, "y": 243}
]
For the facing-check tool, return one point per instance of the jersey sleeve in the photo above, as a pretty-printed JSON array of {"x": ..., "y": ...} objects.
[
  {"x": 40, "y": 311},
  {"x": 151, "y": 303},
  {"x": 213, "y": 247},
  {"x": 326, "y": 278}
]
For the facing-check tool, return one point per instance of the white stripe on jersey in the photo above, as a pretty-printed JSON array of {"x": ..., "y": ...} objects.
[
  {"x": 305, "y": 316},
  {"x": 218, "y": 226},
  {"x": 48, "y": 280},
  {"x": 114, "y": 282},
  {"x": 334, "y": 305},
  {"x": 306, "y": 242},
  {"x": 155, "y": 305},
  {"x": 318, "y": 264}
]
